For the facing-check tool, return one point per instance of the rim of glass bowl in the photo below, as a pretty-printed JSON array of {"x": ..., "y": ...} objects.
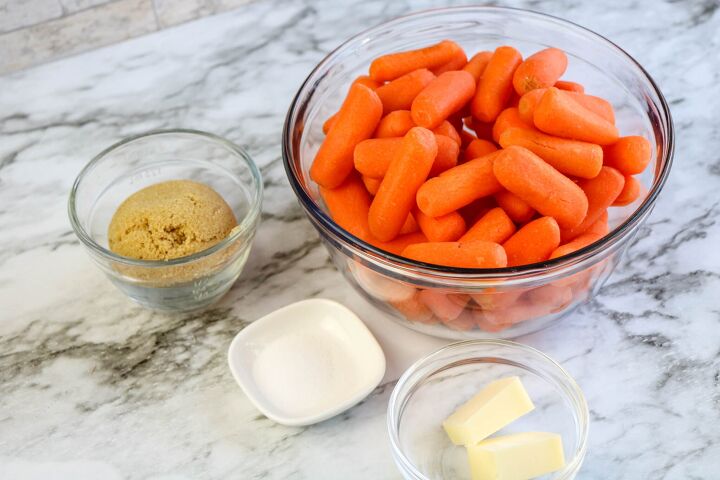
[
  {"x": 246, "y": 224},
  {"x": 424, "y": 369},
  {"x": 299, "y": 104}
]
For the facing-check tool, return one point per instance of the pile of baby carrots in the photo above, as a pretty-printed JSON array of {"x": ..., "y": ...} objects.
[{"x": 482, "y": 163}]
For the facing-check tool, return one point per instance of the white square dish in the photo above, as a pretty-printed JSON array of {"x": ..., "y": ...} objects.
[{"x": 306, "y": 362}]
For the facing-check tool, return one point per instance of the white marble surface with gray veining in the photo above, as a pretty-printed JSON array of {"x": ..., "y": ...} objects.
[{"x": 93, "y": 387}]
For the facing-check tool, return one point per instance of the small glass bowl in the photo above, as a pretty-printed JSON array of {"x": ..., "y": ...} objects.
[
  {"x": 181, "y": 284},
  {"x": 466, "y": 303},
  {"x": 430, "y": 390}
]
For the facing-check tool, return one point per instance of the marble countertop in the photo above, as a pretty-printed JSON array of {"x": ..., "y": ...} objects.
[{"x": 92, "y": 386}]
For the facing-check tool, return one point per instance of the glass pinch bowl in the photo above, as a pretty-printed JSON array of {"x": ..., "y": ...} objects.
[
  {"x": 463, "y": 303},
  {"x": 180, "y": 284},
  {"x": 431, "y": 390}
]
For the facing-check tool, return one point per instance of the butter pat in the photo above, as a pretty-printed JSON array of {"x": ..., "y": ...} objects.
[
  {"x": 497, "y": 405},
  {"x": 516, "y": 457}
]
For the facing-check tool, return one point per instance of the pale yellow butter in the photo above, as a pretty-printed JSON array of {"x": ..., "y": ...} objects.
[
  {"x": 516, "y": 457},
  {"x": 498, "y": 404}
]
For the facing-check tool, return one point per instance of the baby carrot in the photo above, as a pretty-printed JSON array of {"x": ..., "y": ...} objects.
[
  {"x": 601, "y": 192},
  {"x": 540, "y": 70},
  {"x": 600, "y": 227},
  {"x": 598, "y": 105},
  {"x": 327, "y": 125},
  {"x": 414, "y": 309},
  {"x": 399, "y": 243},
  {"x": 357, "y": 119},
  {"x": 399, "y": 94},
  {"x": 407, "y": 171},
  {"x": 362, "y": 80},
  {"x": 540, "y": 186},
  {"x": 579, "y": 242},
  {"x": 478, "y": 254},
  {"x": 373, "y": 156},
  {"x": 348, "y": 205},
  {"x": 371, "y": 184},
  {"x": 394, "y": 65},
  {"x": 550, "y": 298},
  {"x": 456, "y": 63},
  {"x": 410, "y": 225},
  {"x": 558, "y": 114},
  {"x": 533, "y": 243},
  {"x": 494, "y": 226},
  {"x": 458, "y": 187},
  {"x": 478, "y": 148},
  {"x": 516, "y": 208},
  {"x": 629, "y": 193},
  {"x": 569, "y": 86},
  {"x": 442, "y": 97},
  {"x": 571, "y": 157},
  {"x": 495, "y": 85},
  {"x": 475, "y": 210},
  {"x": 446, "y": 228},
  {"x": 445, "y": 306},
  {"x": 446, "y": 128},
  {"x": 394, "y": 124},
  {"x": 447, "y": 155},
  {"x": 630, "y": 154},
  {"x": 476, "y": 65},
  {"x": 509, "y": 118}
]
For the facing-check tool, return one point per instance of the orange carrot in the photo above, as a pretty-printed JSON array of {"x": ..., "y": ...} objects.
[
  {"x": 601, "y": 192},
  {"x": 540, "y": 70},
  {"x": 414, "y": 309},
  {"x": 348, "y": 205},
  {"x": 540, "y": 186},
  {"x": 478, "y": 148},
  {"x": 446, "y": 128},
  {"x": 475, "y": 210},
  {"x": 371, "y": 184},
  {"x": 509, "y": 118},
  {"x": 569, "y": 86},
  {"x": 399, "y": 94},
  {"x": 579, "y": 242},
  {"x": 446, "y": 228},
  {"x": 457, "y": 63},
  {"x": 495, "y": 85},
  {"x": 442, "y": 97},
  {"x": 399, "y": 243},
  {"x": 476, "y": 65},
  {"x": 394, "y": 124},
  {"x": 394, "y": 65},
  {"x": 494, "y": 226},
  {"x": 517, "y": 209},
  {"x": 467, "y": 320},
  {"x": 447, "y": 155},
  {"x": 478, "y": 254},
  {"x": 373, "y": 156},
  {"x": 357, "y": 119},
  {"x": 458, "y": 187},
  {"x": 533, "y": 243},
  {"x": 629, "y": 193},
  {"x": 598, "y": 105},
  {"x": 571, "y": 157},
  {"x": 630, "y": 154},
  {"x": 327, "y": 125},
  {"x": 396, "y": 196},
  {"x": 362, "y": 80},
  {"x": 558, "y": 114},
  {"x": 445, "y": 306},
  {"x": 550, "y": 298},
  {"x": 410, "y": 225},
  {"x": 600, "y": 227},
  {"x": 520, "y": 312}
]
